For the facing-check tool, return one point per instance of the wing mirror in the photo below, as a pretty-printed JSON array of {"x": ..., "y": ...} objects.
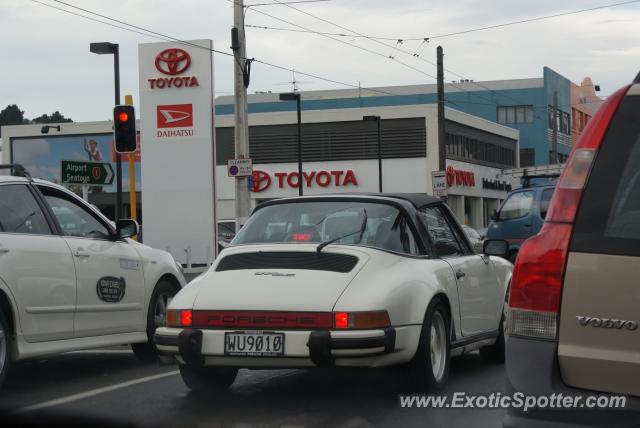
[
  {"x": 126, "y": 228},
  {"x": 494, "y": 215},
  {"x": 496, "y": 247}
]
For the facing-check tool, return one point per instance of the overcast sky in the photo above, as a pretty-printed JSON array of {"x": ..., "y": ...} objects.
[{"x": 46, "y": 64}]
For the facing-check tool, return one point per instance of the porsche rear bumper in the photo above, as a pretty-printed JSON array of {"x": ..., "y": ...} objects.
[{"x": 319, "y": 348}]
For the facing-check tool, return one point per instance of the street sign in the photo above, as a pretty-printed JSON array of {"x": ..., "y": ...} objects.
[
  {"x": 86, "y": 172},
  {"x": 239, "y": 167},
  {"x": 439, "y": 181}
]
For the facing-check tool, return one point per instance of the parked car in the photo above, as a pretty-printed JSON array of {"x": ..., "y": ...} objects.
[
  {"x": 70, "y": 280},
  {"x": 520, "y": 216},
  {"x": 574, "y": 301},
  {"x": 349, "y": 280}
]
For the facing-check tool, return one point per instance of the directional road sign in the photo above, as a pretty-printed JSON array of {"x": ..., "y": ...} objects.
[{"x": 86, "y": 172}]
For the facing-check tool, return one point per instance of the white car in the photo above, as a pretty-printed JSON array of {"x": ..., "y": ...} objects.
[
  {"x": 348, "y": 280},
  {"x": 69, "y": 280}
]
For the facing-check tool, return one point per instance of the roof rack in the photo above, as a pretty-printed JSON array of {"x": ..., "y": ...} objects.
[
  {"x": 17, "y": 170},
  {"x": 531, "y": 172}
]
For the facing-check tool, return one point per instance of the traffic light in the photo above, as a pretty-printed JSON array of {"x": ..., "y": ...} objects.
[{"x": 124, "y": 128}]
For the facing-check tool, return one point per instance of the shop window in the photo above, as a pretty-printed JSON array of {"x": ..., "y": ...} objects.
[{"x": 515, "y": 114}]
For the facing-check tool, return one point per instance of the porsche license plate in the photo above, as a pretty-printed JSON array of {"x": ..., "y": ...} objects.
[{"x": 254, "y": 344}]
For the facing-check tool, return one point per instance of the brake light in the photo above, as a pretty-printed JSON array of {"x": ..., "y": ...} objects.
[
  {"x": 361, "y": 320},
  {"x": 536, "y": 284},
  {"x": 342, "y": 320},
  {"x": 301, "y": 237},
  {"x": 178, "y": 318}
]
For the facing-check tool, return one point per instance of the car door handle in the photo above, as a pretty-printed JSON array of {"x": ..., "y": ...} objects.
[
  {"x": 3, "y": 251},
  {"x": 460, "y": 274},
  {"x": 80, "y": 255}
]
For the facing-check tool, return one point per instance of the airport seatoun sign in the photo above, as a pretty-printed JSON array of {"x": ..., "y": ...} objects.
[{"x": 86, "y": 172}]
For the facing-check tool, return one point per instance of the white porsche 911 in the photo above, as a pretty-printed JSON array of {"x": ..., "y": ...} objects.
[{"x": 348, "y": 280}]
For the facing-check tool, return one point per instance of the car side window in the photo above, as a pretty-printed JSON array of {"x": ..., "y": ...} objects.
[
  {"x": 20, "y": 213},
  {"x": 74, "y": 219},
  {"x": 443, "y": 237}
]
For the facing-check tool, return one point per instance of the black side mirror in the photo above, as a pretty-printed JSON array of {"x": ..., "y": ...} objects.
[
  {"x": 126, "y": 228},
  {"x": 494, "y": 215},
  {"x": 496, "y": 247}
]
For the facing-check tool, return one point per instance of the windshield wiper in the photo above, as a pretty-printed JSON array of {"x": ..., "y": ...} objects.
[{"x": 363, "y": 227}]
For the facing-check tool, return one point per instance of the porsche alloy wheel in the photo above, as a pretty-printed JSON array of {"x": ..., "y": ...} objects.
[
  {"x": 438, "y": 346},
  {"x": 429, "y": 368}
]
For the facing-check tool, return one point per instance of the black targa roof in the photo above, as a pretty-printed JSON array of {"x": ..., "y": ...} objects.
[{"x": 416, "y": 199}]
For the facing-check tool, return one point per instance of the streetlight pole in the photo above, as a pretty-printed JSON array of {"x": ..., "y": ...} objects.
[
  {"x": 290, "y": 97},
  {"x": 378, "y": 119},
  {"x": 106, "y": 48}
]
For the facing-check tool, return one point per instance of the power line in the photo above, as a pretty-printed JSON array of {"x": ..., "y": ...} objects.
[
  {"x": 344, "y": 42},
  {"x": 289, "y": 2},
  {"x": 456, "y": 33},
  {"x": 164, "y": 37},
  {"x": 395, "y": 48}
]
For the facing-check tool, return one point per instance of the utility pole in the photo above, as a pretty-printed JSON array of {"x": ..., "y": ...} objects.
[
  {"x": 442, "y": 136},
  {"x": 554, "y": 135},
  {"x": 241, "y": 132}
]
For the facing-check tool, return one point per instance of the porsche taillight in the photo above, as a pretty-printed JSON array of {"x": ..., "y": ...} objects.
[
  {"x": 179, "y": 318},
  {"x": 361, "y": 320}
]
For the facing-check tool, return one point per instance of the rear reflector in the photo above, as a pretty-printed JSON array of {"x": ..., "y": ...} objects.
[
  {"x": 262, "y": 319},
  {"x": 541, "y": 325}
]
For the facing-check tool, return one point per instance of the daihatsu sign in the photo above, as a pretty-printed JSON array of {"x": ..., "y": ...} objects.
[{"x": 178, "y": 159}]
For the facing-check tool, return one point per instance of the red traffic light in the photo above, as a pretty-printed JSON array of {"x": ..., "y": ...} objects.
[{"x": 123, "y": 116}]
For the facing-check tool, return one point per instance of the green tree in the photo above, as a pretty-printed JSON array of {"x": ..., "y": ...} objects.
[
  {"x": 11, "y": 115},
  {"x": 56, "y": 117}
]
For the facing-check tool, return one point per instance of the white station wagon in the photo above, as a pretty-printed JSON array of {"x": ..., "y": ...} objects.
[
  {"x": 69, "y": 280},
  {"x": 348, "y": 280}
]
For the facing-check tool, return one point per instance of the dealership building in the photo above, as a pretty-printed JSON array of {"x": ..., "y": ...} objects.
[{"x": 339, "y": 152}]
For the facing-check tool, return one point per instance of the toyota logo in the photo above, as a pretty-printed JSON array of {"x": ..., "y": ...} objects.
[
  {"x": 261, "y": 181},
  {"x": 173, "y": 61},
  {"x": 451, "y": 176}
]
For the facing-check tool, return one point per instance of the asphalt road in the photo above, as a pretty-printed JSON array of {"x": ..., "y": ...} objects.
[{"x": 112, "y": 385}]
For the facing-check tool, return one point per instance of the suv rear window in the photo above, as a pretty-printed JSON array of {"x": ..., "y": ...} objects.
[{"x": 609, "y": 218}]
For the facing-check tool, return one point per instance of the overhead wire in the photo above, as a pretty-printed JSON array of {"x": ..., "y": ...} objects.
[
  {"x": 164, "y": 37},
  {"x": 471, "y": 30}
]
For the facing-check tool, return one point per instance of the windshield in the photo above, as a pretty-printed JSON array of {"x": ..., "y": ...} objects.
[
  {"x": 316, "y": 222},
  {"x": 517, "y": 205}
]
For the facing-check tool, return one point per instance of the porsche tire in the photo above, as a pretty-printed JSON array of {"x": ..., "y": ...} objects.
[
  {"x": 429, "y": 369},
  {"x": 206, "y": 380},
  {"x": 147, "y": 352},
  {"x": 496, "y": 353},
  {"x": 5, "y": 349}
]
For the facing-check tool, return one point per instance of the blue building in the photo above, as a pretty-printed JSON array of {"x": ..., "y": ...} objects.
[{"x": 524, "y": 104}]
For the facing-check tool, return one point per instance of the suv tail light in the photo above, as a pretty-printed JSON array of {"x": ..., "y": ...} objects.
[{"x": 536, "y": 284}]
